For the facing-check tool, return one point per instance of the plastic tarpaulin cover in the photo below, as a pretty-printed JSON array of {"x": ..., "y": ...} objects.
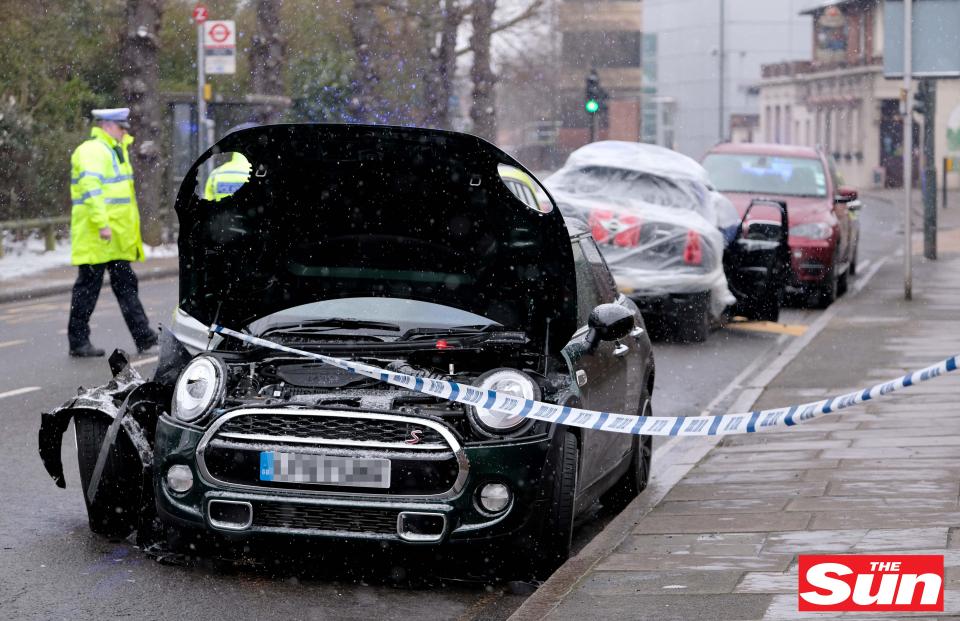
[{"x": 660, "y": 225}]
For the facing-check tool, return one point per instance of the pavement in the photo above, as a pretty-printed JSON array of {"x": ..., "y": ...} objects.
[
  {"x": 60, "y": 279},
  {"x": 717, "y": 534}
]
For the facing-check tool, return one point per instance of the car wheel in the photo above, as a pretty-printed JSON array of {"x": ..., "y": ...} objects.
[
  {"x": 826, "y": 293},
  {"x": 556, "y": 534},
  {"x": 842, "y": 282},
  {"x": 113, "y": 511},
  {"x": 635, "y": 479},
  {"x": 694, "y": 324}
]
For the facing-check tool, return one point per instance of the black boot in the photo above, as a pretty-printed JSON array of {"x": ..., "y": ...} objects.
[
  {"x": 86, "y": 351},
  {"x": 147, "y": 343}
]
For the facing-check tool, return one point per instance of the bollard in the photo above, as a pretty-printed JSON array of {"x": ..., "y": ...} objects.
[{"x": 49, "y": 238}]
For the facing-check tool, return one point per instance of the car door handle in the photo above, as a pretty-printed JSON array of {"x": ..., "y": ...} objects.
[
  {"x": 636, "y": 331},
  {"x": 620, "y": 350}
]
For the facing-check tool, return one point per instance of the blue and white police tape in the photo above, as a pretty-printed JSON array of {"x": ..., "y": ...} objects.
[{"x": 720, "y": 424}]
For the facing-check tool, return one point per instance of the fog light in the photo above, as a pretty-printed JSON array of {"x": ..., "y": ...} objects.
[
  {"x": 180, "y": 478},
  {"x": 494, "y": 497}
]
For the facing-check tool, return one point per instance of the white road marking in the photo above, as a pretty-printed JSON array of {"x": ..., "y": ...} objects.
[
  {"x": 19, "y": 391},
  {"x": 12, "y": 343},
  {"x": 140, "y": 363}
]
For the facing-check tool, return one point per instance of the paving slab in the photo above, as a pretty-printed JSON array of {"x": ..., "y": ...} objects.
[
  {"x": 781, "y": 445},
  {"x": 863, "y": 504},
  {"x": 725, "y": 506},
  {"x": 743, "y": 523},
  {"x": 702, "y": 562},
  {"x": 717, "y": 544},
  {"x": 942, "y": 488},
  {"x": 898, "y": 478},
  {"x": 725, "y": 607},
  {"x": 847, "y": 540},
  {"x": 670, "y": 582},
  {"x": 776, "y": 489},
  {"x": 893, "y": 519}
]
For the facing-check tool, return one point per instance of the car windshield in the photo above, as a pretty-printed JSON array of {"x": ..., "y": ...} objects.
[
  {"x": 620, "y": 184},
  {"x": 766, "y": 174}
]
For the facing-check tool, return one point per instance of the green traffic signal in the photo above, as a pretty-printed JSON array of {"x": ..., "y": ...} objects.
[{"x": 591, "y": 106}]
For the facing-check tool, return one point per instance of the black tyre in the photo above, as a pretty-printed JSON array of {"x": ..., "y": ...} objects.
[
  {"x": 636, "y": 478},
  {"x": 113, "y": 512},
  {"x": 694, "y": 323},
  {"x": 826, "y": 294},
  {"x": 556, "y": 536}
]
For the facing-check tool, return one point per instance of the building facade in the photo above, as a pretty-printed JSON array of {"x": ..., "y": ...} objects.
[
  {"x": 838, "y": 98},
  {"x": 606, "y": 35},
  {"x": 703, "y": 60}
]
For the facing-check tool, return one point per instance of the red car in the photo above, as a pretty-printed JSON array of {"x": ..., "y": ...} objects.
[{"x": 824, "y": 230}]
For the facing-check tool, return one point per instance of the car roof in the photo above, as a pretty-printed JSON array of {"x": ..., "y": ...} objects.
[
  {"x": 641, "y": 157},
  {"x": 760, "y": 148}
]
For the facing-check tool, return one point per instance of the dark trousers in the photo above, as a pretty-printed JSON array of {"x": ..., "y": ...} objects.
[{"x": 86, "y": 291}]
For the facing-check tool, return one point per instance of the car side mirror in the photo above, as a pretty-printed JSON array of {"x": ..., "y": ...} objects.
[
  {"x": 608, "y": 322},
  {"x": 845, "y": 195}
]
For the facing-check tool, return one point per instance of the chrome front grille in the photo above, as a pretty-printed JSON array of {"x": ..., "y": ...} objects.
[
  {"x": 426, "y": 458},
  {"x": 335, "y": 428}
]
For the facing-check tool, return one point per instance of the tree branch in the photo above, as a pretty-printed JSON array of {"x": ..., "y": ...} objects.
[{"x": 524, "y": 15}]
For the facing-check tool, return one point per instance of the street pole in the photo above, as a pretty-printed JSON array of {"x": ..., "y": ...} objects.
[
  {"x": 721, "y": 53},
  {"x": 907, "y": 149},
  {"x": 929, "y": 90},
  {"x": 594, "y": 126},
  {"x": 201, "y": 102}
]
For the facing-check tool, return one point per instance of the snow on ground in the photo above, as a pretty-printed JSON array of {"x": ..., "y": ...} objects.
[{"x": 28, "y": 257}]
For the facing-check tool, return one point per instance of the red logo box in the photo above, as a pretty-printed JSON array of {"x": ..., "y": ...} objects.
[{"x": 871, "y": 583}]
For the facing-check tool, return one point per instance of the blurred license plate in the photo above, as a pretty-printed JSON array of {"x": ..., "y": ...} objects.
[{"x": 324, "y": 469}]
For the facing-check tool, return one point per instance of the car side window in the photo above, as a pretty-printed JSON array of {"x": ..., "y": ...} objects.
[
  {"x": 588, "y": 293},
  {"x": 600, "y": 270}
]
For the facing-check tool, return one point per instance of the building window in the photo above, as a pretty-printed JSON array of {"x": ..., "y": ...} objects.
[
  {"x": 601, "y": 49},
  {"x": 776, "y": 125},
  {"x": 808, "y": 139},
  {"x": 787, "y": 123}
]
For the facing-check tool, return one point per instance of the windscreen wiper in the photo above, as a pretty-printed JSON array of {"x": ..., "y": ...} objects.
[{"x": 318, "y": 326}]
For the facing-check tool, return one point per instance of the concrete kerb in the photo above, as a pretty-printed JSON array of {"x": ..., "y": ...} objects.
[
  {"x": 680, "y": 455},
  {"x": 65, "y": 286}
]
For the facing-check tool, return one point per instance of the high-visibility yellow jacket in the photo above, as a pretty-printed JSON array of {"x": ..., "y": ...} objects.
[
  {"x": 102, "y": 193},
  {"x": 227, "y": 178}
]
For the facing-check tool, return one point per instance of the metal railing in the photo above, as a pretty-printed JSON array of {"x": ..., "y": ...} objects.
[{"x": 47, "y": 226}]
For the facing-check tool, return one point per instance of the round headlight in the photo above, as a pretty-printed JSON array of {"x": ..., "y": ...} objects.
[
  {"x": 199, "y": 387},
  {"x": 507, "y": 381}
]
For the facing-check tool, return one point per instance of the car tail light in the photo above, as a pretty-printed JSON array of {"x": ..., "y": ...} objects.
[
  {"x": 598, "y": 220},
  {"x": 693, "y": 251}
]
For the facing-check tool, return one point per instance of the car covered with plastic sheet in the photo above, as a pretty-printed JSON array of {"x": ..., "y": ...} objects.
[{"x": 677, "y": 247}]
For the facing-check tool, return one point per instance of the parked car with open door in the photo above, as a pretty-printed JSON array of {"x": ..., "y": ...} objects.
[{"x": 676, "y": 246}]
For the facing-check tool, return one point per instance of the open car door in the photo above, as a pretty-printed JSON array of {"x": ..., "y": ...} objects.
[{"x": 757, "y": 261}]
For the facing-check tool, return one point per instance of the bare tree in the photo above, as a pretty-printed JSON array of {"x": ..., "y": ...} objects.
[
  {"x": 364, "y": 28},
  {"x": 139, "y": 65},
  {"x": 440, "y": 78},
  {"x": 268, "y": 56},
  {"x": 483, "y": 105}
]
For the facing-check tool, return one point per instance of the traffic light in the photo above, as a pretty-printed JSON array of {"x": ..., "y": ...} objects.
[
  {"x": 595, "y": 95},
  {"x": 920, "y": 100}
]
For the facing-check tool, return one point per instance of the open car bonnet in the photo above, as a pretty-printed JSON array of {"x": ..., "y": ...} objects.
[{"x": 352, "y": 211}]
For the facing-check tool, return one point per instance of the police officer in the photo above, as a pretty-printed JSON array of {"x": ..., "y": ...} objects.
[
  {"x": 105, "y": 231},
  {"x": 227, "y": 178}
]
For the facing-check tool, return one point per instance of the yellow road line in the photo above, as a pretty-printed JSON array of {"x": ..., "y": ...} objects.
[{"x": 770, "y": 327}]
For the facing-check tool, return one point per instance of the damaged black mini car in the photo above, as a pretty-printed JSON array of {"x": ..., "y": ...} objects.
[{"x": 404, "y": 249}]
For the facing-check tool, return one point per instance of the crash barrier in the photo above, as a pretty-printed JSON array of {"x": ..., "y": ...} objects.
[
  {"x": 720, "y": 424},
  {"x": 48, "y": 226}
]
